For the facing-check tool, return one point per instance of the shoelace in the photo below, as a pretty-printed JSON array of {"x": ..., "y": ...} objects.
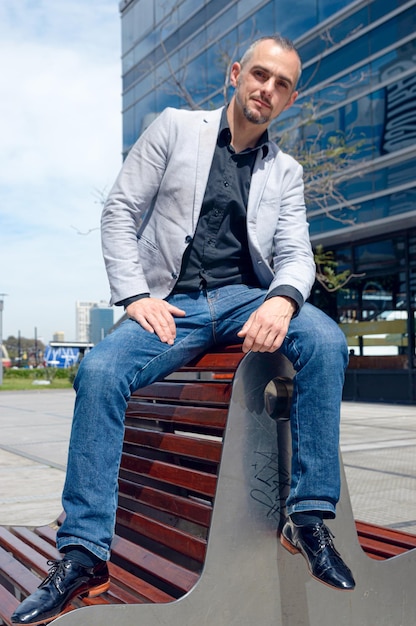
[
  {"x": 56, "y": 570},
  {"x": 325, "y": 536}
]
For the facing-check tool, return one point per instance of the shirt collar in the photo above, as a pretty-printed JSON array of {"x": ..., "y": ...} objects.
[{"x": 224, "y": 136}]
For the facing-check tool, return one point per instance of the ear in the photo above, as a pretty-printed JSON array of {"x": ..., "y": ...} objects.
[
  {"x": 234, "y": 74},
  {"x": 291, "y": 100}
]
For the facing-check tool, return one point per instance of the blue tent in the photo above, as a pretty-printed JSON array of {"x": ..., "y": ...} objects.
[{"x": 61, "y": 357}]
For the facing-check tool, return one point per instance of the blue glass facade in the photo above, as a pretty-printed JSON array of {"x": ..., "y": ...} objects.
[
  {"x": 101, "y": 322},
  {"x": 359, "y": 68}
]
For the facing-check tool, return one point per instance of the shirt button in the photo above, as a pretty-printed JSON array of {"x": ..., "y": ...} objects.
[
  {"x": 226, "y": 184},
  {"x": 174, "y": 275},
  {"x": 188, "y": 239}
]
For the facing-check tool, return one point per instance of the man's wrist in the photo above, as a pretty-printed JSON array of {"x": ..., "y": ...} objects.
[
  {"x": 291, "y": 301},
  {"x": 127, "y": 301},
  {"x": 287, "y": 291}
]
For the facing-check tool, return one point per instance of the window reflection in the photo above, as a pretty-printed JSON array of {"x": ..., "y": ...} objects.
[{"x": 376, "y": 310}]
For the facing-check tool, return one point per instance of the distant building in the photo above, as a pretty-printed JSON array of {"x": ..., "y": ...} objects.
[
  {"x": 93, "y": 321},
  {"x": 82, "y": 317},
  {"x": 101, "y": 320},
  {"x": 59, "y": 335}
]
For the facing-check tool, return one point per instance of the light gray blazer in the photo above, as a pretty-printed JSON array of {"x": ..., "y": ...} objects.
[{"x": 154, "y": 205}]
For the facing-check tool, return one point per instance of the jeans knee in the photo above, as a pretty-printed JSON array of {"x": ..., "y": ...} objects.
[
  {"x": 334, "y": 345},
  {"x": 95, "y": 372},
  {"x": 324, "y": 343}
]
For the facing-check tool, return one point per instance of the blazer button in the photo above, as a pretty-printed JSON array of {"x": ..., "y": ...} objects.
[
  {"x": 174, "y": 275},
  {"x": 188, "y": 239}
]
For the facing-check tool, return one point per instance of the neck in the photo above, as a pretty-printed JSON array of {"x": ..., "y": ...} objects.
[{"x": 244, "y": 133}]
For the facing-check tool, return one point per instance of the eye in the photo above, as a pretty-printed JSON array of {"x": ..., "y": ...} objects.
[
  {"x": 282, "y": 84},
  {"x": 260, "y": 74}
]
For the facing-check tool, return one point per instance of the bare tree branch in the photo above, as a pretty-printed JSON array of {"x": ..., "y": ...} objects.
[
  {"x": 326, "y": 271},
  {"x": 86, "y": 232}
]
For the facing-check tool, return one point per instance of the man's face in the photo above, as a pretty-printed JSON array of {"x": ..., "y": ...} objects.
[{"x": 265, "y": 85}]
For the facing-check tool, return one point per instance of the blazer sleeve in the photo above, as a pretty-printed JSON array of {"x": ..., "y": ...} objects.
[
  {"x": 130, "y": 200},
  {"x": 293, "y": 260}
]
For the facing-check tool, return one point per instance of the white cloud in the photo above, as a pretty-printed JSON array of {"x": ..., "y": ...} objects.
[{"x": 61, "y": 143}]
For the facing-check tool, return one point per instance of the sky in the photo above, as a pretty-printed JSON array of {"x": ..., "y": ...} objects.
[{"x": 60, "y": 152}]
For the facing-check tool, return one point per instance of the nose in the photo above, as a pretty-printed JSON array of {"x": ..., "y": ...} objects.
[{"x": 268, "y": 85}]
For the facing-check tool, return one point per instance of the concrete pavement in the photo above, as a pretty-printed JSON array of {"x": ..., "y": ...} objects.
[
  {"x": 34, "y": 434},
  {"x": 378, "y": 443}
]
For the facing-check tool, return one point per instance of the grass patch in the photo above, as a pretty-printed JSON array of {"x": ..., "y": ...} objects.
[
  {"x": 21, "y": 384},
  {"x": 42, "y": 378}
]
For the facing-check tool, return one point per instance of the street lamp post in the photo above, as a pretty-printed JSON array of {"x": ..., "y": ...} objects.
[{"x": 1, "y": 337}]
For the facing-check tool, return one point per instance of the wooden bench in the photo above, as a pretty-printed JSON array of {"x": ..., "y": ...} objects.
[
  {"x": 176, "y": 558},
  {"x": 381, "y": 543}
]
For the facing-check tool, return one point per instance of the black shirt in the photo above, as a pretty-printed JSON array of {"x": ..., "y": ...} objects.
[{"x": 218, "y": 253}]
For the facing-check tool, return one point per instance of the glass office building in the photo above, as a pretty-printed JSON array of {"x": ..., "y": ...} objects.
[
  {"x": 101, "y": 322},
  {"x": 359, "y": 79}
]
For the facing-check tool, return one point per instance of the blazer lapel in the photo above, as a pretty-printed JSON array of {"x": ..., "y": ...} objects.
[
  {"x": 262, "y": 169},
  {"x": 206, "y": 146}
]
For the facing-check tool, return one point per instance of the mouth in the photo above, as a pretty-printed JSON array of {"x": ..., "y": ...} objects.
[{"x": 262, "y": 103}]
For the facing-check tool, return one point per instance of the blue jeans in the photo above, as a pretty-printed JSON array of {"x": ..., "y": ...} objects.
[{"x": 131, "y": 358}]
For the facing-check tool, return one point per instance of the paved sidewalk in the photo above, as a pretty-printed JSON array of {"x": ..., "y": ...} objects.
[
  {"x": 378, "y": 443},
  {"x": 34, "y": 434}
]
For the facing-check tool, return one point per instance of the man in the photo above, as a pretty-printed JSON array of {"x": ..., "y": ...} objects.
[{"x": 205, "y": 241}]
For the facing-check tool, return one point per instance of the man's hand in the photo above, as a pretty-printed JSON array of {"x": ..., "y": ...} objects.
[
  {"x": 267, "y": 327},
  {"x": 156, "y": 316}
]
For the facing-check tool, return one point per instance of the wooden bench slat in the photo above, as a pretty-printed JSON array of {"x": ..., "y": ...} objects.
[
  {"x": 196, "y": 481},
  {"x": 17, "y": 574},
  {"x": 221, "y": 358},
  {"x": 378, "y": 549},
  {"x": 141, "y": 590},
  {"x": 182, "y": 445},
  {"x": 117, "y": 594},
  {"x": 206, "y": 417},
  {"x": 30, "y": 537},
  {"x": 139, "y": 558},
  {"x": 380, "y": 542},
  {"x": 184, "y": 392},
  {"x": 23, "y": 552},
  {"x": 186, "y": 508},
  {"x": 166, "y": 535},
  {"x": 8, "y": 604},
  {"x": 47, "y": 533},
  {"x": 388, "y": 535}
]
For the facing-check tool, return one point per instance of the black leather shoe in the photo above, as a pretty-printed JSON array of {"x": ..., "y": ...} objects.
[
  {"x": 66, "y": 580},
  {"x": 315, "y": 543}
]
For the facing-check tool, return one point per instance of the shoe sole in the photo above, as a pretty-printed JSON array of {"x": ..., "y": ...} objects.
[
  {"x": 289, "y": 546},
  {"x": 94, "y": 592},
  {"x": 294, "y": 550}
]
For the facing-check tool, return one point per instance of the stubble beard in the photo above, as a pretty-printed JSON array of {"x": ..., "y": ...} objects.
[{"x": 255, "y": 117}]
